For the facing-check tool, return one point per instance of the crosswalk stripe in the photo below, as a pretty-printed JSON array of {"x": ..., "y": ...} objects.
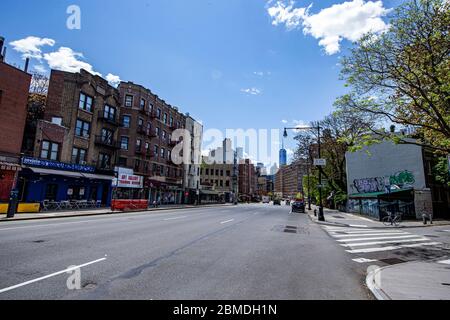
[
  {"x": 368, "y": 234},
  {"x": 376, "y": 238},
  {"x": 368, "y": 231},
  {"x": 390, "y": 248},
  {"x": 383, "y": 242}
]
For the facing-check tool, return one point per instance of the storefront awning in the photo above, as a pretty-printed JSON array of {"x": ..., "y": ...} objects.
[
  {"x": 97, "y": 176},
  {"x": 56, "y": 172},
  {"x": 375, "y": 195}
]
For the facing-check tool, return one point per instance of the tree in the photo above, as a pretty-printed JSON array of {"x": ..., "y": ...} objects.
[{"x": 403, "y": 75}]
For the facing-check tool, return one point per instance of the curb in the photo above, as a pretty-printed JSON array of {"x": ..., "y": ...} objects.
[
  {"x": 3, "y": 220},
  {"x": 373, "y": 286}
]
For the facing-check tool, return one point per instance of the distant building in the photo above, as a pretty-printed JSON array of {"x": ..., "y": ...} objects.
[
  {"x": 397, "y": 178},
  {"x": 247, "y": 180},
  {"x": 283, "y": 157},
  {"x": 192, "y": 170},
  {"x": 14, "y": 87},
  {"x": 289, "y": 179}
]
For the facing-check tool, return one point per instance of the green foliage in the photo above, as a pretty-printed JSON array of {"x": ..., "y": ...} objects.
[{"x": 441, "y": 172}]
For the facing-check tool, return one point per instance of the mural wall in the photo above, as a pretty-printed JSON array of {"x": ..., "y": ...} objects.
[{"x": 400, "y": 180}]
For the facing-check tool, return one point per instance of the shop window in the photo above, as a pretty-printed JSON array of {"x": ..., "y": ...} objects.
[
  {"x": 51, "y": 192},
  {"x": 82, "y": 129},
  {"x": 85, "y": 102},
  {"x": 79, "y": 156},
  {"x": 49, "y": 150}
]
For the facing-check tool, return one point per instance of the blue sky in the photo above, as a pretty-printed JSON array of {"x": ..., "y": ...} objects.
[{"x": 225, "y": 62}]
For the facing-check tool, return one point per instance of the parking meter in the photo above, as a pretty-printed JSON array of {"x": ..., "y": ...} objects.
[{"x": 13, "y": 203}]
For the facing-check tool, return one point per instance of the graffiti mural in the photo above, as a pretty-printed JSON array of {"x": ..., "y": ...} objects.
[{"x": 401, "y": 180}]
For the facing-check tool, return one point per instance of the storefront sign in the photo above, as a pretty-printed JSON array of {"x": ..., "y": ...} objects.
[
  {"x": 128, "y": 181},
  {"x": 56, "y": 165}
]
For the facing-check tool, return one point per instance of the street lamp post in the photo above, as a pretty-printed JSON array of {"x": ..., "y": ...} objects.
[{"x": 321, "y": 216}]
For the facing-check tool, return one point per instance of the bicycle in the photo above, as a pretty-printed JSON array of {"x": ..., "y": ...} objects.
[{"x": 392, "y": 219}]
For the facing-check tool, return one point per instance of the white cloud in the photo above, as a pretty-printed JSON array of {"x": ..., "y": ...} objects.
[
  {"x": 40, "y": 68},
  {"x": 349, "y": 20},
  {"x": 251, "y": 91},
  {"x": 30, "y": 47},
  {"x": 65, "y": 59},
  {"x": 284, "y": 121},
  {"x": 113, "y": 79}
]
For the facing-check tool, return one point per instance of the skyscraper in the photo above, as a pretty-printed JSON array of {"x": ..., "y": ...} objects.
[{"x": 283, "y": 156}]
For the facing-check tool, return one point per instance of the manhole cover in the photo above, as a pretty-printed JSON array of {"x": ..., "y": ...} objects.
[{"x": 392, "y": 261}]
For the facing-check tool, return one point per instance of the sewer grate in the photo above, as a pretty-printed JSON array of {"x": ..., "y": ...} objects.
[
  {"x": 290, "y": 231},
  {"x": 392, "y": 261},
  {"x": 291, "y": 227},
  {"x": 446, "y": 284}
]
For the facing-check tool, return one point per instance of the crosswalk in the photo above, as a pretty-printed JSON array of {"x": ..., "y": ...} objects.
[{"x": 367, "y": 240}]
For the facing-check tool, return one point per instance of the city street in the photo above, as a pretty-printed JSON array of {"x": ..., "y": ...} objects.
[{"x": 243, "y": 252}]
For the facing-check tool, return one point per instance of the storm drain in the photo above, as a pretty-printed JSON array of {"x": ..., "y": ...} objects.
[
  {"x": 290, "y": 229},
  {"x": 392, "y": 261}
]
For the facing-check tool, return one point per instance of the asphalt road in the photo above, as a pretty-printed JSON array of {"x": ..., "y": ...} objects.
[{"x": 236, "y": 252}]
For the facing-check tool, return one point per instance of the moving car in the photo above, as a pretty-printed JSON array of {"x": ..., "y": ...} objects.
[{"x": 298, "y": 206}]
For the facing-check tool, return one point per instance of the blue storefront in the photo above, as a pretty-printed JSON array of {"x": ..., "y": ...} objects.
[{"x": 42, "y": 180}]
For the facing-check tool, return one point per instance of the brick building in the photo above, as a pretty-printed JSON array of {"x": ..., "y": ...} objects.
[
  {"x": 289, "y": 179},
  {"x": 148, "y": 123},
  {"x": 247, "y": 180},
  {"x": 76, "y": 143},
  {"x": 14, "y": 87},
  {"x": 218, "y": 177}
]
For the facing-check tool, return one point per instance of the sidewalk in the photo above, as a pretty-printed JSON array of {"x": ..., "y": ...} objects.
[
  {"x": 343, "y": 219},
  {"x": 94, "y": 212},
  {"x": 411, "y": 281}
]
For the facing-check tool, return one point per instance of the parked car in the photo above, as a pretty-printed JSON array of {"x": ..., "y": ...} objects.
[
  {"x": 298, "y": 206},
  {"x": 277, "y": 202}
]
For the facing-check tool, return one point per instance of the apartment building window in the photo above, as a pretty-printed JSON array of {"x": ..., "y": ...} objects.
[
  {"x": 141, "y": 124},
  {"x": 178, "y": 125},
  {"x": 57, "y": 120},
  {"x": 169, "y": 154},
  {"x": 85, "y": 102},
  {"x": 221, "y": 183},
  {"x": 49, "y": 150},
  {"x": 164, "y": 134},
  {"x": 124, "y": 142},
  {"x": 207, "y": 172},
  {"x": 161, "y": 170},
  {"x": 163, "y": 153},
  {"x": 137, "y": 165},
  {"x": 128, "y": 101},
  {"x": 165, "y": 118},
  {"x": 109, "y": 112},
  {"x": 171, "y": 121},
  {"x": 146, "y": 166},
  {"x": 122, "y": 162},
  {"x": 150, "y": 107},
  {"x": 156, "y": 149},
  {"x": 142, "y": 104},
  {"x": 138, "y": 144},
  {"x": 82, "y": 129},
  {"x": 158, "y": 113},
  {"x": 228, "y": 173},
  {"x": 157, "y": 131},
  {"x": 79, "y": 155},
  {"x": 126, "y": 120},
  {"x": 227, "y": 183},
  {"x": 107, "y": 135},
  {"x": 217, "y": 172},
  {"x": 221, "y": 173},
  {"x": 147, "y": 146},
  {"x": 104, "y": 161}
]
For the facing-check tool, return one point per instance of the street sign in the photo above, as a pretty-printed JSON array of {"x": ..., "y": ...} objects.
[{"x": 320, "y": 162}]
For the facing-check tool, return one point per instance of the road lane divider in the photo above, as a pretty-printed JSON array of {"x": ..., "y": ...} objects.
[
  {"x": 228, "y": 221},
  {"x": 175, "y": 218}
]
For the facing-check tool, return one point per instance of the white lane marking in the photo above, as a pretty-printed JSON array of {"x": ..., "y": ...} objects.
[
  {"x": 347, "y": 229},
  {"x": 43, "y": 225},
  {"x": 376, "y": 238},
  {"x": 364, "y": 260},
  {"x": 176, "y": 218},
  {"x": 367, "y": 231},
  {"x": 383, "y": 242},
  {"x": 359, "y": 225},
  {"x": 51, "y": 275},
  {"x": 367, "y": 250},
  {"x": 444, "y": 262},
  {"x": 367, "y": 235},
  {"x": 223, "y": 222}
]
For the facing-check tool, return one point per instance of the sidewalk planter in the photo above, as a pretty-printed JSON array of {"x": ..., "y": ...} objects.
[
  {"x": 22, "y": 208},
  {"x": 124, "y": 205}
]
